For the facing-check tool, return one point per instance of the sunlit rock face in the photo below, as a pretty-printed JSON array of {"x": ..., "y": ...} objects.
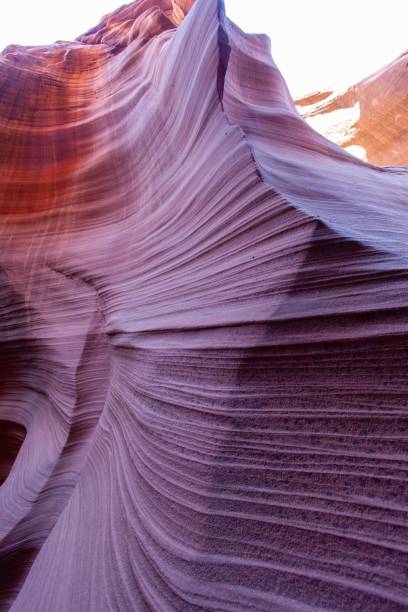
[
  {"x": 370, "y": 119},
  {"x": 203, "y": 324}
]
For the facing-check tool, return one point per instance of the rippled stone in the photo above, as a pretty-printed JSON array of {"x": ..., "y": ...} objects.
[{"x": 203, "y": 320}]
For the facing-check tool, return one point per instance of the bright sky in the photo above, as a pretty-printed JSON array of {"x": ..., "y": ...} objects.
[{"x": 316, "y": 43}]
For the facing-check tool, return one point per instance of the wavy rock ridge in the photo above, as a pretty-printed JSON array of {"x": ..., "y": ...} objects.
[{"x": 203, "y": 320}]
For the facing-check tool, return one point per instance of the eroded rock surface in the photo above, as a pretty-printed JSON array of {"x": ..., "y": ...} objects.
[
  {"x": 371, "y": 117},
  {"x": 204, "y": 323}
]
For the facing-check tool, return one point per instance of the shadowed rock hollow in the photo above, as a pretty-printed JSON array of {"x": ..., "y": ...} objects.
[{"x": 203, "y": 328}]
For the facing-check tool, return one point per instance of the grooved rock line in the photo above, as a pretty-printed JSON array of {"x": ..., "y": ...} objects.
[{"x": 203, "y": 327}]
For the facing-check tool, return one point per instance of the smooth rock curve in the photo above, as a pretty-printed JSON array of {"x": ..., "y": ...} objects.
[{"x": 203, "y": 327}]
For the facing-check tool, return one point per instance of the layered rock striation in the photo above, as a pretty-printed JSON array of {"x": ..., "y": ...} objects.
[{"x": 203, "y": 325}]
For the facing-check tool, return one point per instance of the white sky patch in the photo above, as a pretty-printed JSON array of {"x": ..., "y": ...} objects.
[{"x": 316, "y": 44}]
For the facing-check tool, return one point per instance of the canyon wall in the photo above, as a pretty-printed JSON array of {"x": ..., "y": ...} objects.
[
  {"x": 370, "y": 117},
  {"x": 203, "y": 326}
]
